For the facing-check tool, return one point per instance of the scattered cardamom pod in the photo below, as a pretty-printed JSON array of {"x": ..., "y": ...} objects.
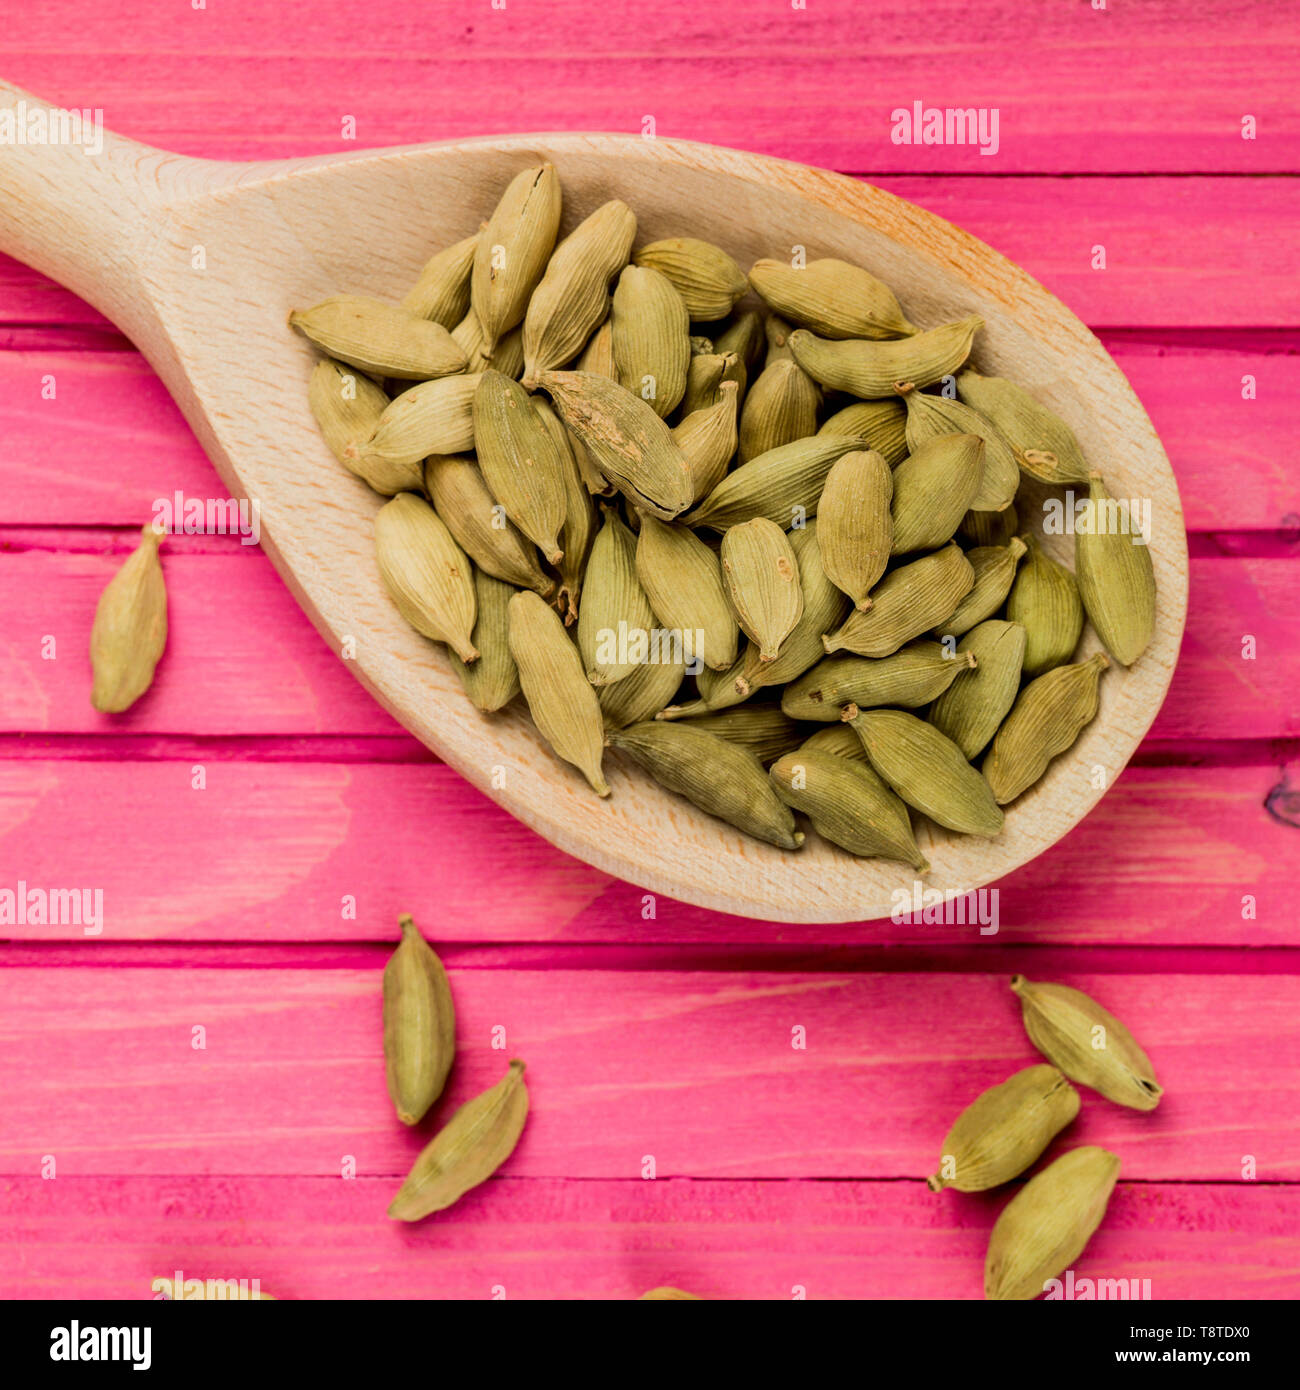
[
  {"x": 929, "y": 417},
  {"x": 707, "y": 279},
  {"x": 1045, "y": 601},
  {"x": 1005, "y": 1130},
  {"x": 910, "y": 600},
  {"x": 764, "y": 729},
  {"x": 870, "y": 370},
  {"x": 597, "y": 357},
  {"x": 513, "y": 249},
  {"x": 560, "y": 698},
  {"x": 380, "y": 338},
  {"x": 913, "y": 676},
  {"x": 882, "y": 424},
  {"x": 1116, "y": 579},
  {"x": 782, "y": 485},
  {"x": 716, "y": 775},
  {"x": 479, "y": 524},
  {"x": 855, "y": 524},
  {"x": 426, "y": 573},
  {"x": 1048, "y": 1223},
  {"x": 521, "y": 464},
  {"x": 995, "y": 568},
  {"x": 682, "y": 578},
  {"x": 348, "y": 406},
  {"x": 573, "y": 298},
  {"x": 705, "y": 374},
  {"x": 1049, "y": 714},
  {"x": 435, "y": 417},
  {"x": 475, "y": 1142},
  {"x": 628, "y": 442},
  {"x": 507, "y": 357},
  {"x": 1090, "y": 1045},
  {"x": 933, "y": 488},
  {"x": 665, "y": 1293},
  {"x": 927, "y": 769},
  {"x": 780, "y": 408},
  {"x": 744, "y": 336},
  {"x": 492, "y": 680},
  {"x": 615, "y": 619},
  {"x": 848, "y": 805},
  {"x": 777, "y": 332},
  {"x": 839, "y": 740},
  {"x": 833, "y": 298},
  {"x": 707, "y": 439},
  {"x": 651, "y": 338},
  {"x": 1044, "y": 445},
  {"x": 441, "y": 292},
  {"x": 580, "y": 520},
  {"x": 642, "y": 693},
  {"x": 990, "y": 528},
  {"x": 971, "y": 709},
  {"x": 419, "y": 1025},
  {"x": 130, "y": 629},
  {"x": 761, "y": 576}
]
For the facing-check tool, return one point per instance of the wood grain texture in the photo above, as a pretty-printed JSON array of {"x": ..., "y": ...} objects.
[
  {"x": 224, "y": 352},
  {"x": 111, "y": 441},
  {"x": 79, "y": 1237},
  {"x": 1160, "y": 86},
  {"x": 700, "y": 1072}
]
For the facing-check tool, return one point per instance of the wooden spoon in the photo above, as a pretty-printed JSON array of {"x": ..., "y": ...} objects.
[{"x": 200, "y": 263}]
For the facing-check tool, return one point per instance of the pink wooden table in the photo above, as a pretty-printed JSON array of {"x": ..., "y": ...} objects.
[{"x": 234, "y": 814}]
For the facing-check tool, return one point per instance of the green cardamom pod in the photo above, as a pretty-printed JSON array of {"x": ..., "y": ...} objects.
[
  {"x": 840, "y": 740},
  {"x": 913, "y": 676},
  {"x": 507, "y": 357},
  {"x": 1090, "y": 1045},
  {"x": 781, "y": 407},
  {"x": 479, "y": 524},
  {"x": 651, "y": 338},
  {"x": 130, "y": 629},
  {"x": 707, "y": 439},
  {"x": 761, "y": 576},
  {"x": 783, "y": 485},
  {"x": 989, "y": 528},
  {"x": 560, "y": 698},
  {"x": 1049, "y": 714},
  {"x": 1045, "y": 601},
  {"x": 763, "y": 729},
  {"x": 1005, "y": 1130},
  {"x": 883, "y": 424},
  {"x": 847, "y": 804},
  {"x": 513, "y": 249},
  {"x": 870, "y": 370},
  {"x": 719, "y": 777},
  {"x": 743, "y": 334},
  {"x": 491, "y": 681},
  {"x": 933, "y": 488},
  {"x": 927, "y": 769},
  {"x": 474, "y": 1143},
  {"x": 615, "y": 617},
  {"x": 777, "y": 332},
  {"x": 580, "y": 520},
  {"x": 573, "y": 298},
  {"x": 441, "y": 292},
  {"x": 348, "y": 406},
  {"x": 1117, "y": 582},
  {"x": 909, "y": 601},
  {"x": 1044, "y": 445},
  {"x": 682, "y": 578},
  {"x": 419, "y": 1025},
  {"x": 597, "y": 357},
  {"x": 666, "y": 1293},
  {"x": 929, "y": 417},
  {"x": 855, "y": 523},
  {"x": 1048, "y": 1223},
  {"x": 521, "y": 464},
  {"x": 833, "y": 298},
  {"x": 995, "y": 569},
  {"x": 380, "y": 338},
  {"x": 426, "y": 573},
  {"x": 642, "y": 693},
  {"x": 707, "y": 279},
  {"x": 705, "y": 374},
  {"x": 435, "y": 417},
  {"x": 628, "y": 442},
  {"x": 971, "y": 709}
]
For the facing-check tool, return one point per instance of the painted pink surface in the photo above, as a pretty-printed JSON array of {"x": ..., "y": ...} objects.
[
  {"x": 666, "y": 1034},
  {"x": 737, "y": 1074}
]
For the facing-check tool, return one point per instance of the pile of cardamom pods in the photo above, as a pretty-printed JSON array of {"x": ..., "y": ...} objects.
[
  {"x": 1004, "y": 1131},
  {"x": 594, "y": 495}
]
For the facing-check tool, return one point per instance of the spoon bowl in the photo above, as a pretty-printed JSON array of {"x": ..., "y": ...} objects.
[{"x": 200, "y": 263}]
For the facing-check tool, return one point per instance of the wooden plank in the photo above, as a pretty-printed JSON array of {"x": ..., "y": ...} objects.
[
  {"x": 816, "y": 84},
  {"x": 699, "y": 1074},
  {"x": 276, "y": 851},
  {"x": 325, "y": 1238},
  {"x": 111, "y": 441},
  {"x": 242, "y": 659}
]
